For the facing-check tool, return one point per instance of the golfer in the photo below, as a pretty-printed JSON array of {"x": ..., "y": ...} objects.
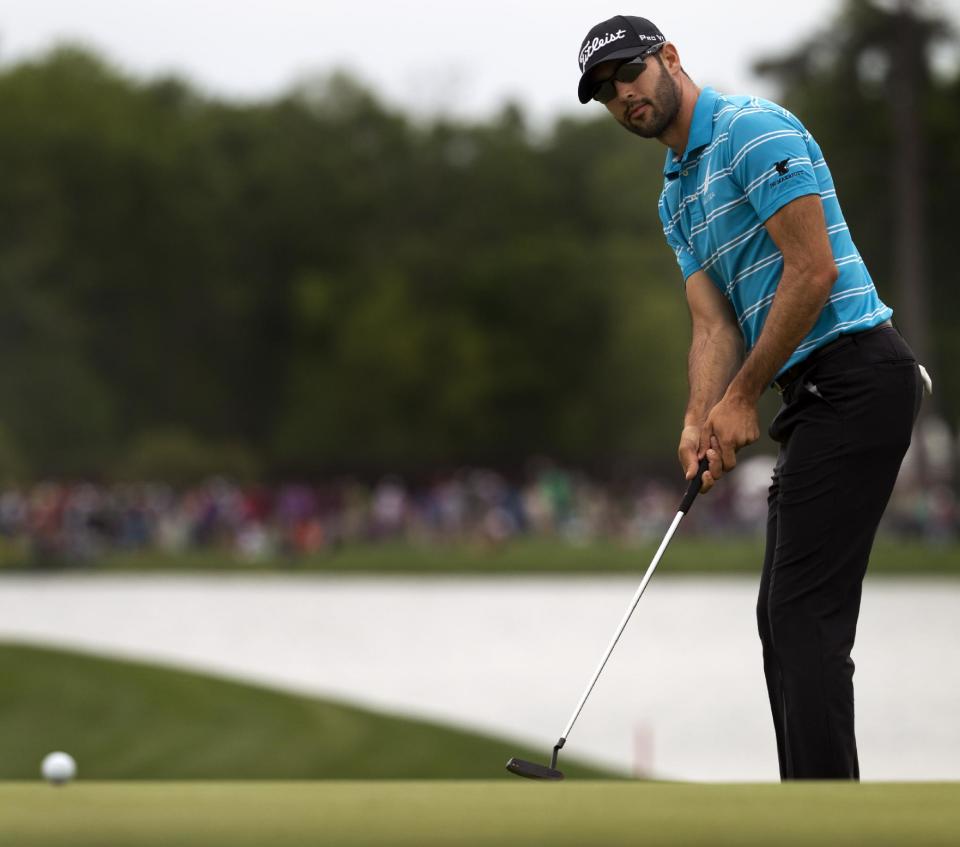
[{"x": 778, "y": 297}]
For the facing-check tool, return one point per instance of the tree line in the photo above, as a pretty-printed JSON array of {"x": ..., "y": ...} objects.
[{"x": 320, "y": 283}]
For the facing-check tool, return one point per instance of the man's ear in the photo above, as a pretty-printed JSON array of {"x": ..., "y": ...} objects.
[{"x": 670, "y": 57}]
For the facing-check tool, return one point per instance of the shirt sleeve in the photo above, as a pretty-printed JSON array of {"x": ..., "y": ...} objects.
[
  {"x": 770, "y": 159},
  {"x": 689, "y": 264}
]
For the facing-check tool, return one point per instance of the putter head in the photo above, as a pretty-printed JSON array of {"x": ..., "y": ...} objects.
[{"x": 531, "y": 770}]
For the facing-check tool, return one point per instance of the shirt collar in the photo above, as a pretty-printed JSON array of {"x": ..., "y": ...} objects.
[{"x": 701, "y": 132}]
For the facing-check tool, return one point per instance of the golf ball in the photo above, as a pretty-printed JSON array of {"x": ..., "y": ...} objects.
[{"x": 58, "y": 768}]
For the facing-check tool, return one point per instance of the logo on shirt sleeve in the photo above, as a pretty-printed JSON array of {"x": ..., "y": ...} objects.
[{"x": 783, "y": 173}]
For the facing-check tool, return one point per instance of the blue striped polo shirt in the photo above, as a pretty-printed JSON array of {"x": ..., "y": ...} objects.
[{"x": 745, "y": 159}]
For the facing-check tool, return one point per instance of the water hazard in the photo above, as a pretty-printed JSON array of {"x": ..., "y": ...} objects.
[{"x": 682, "y": 697}]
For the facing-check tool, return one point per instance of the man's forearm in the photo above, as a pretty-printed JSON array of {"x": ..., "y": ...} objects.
[
  {"x": 715, "y": 358},
  {"x": 796, "y": 306}
]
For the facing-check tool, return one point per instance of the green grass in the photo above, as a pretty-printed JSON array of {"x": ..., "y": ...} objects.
[
  {"x": 123, "y": 720},
  {"x": 472, "y": 814},
  {"x": 685, "y": 555}
]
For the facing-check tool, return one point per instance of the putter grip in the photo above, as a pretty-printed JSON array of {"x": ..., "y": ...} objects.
[{"x": 694, "y": 488}]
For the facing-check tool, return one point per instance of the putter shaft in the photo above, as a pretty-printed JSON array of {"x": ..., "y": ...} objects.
[
  {"x": 619, "y": 632},
  {"x": 528, "y": 769}
]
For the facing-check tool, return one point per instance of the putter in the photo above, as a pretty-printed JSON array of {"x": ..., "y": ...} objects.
[{"x": 531, "y": 770}]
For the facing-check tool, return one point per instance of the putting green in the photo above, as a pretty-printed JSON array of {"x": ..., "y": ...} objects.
[{"x": 344, "y": 814}]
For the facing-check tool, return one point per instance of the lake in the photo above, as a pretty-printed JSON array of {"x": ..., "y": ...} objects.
[{"x": 683, "y": 696}]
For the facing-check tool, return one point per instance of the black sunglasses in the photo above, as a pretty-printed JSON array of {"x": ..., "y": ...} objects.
[{"x": 627, "y": 72}]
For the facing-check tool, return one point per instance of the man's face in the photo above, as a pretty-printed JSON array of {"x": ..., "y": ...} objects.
[{"x": 648, "y": 105}]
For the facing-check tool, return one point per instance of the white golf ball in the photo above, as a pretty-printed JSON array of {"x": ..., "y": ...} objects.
[{"x": 58, "y": 768}]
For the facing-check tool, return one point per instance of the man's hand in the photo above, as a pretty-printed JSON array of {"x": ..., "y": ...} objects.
[
  {"x": 731, "y": 425},
  {"x": 688, "y": 450},
  {"x": 689, "y": 453}
]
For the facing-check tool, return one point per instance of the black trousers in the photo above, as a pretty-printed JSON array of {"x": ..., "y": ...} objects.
[{"x": 843, "y": 429}]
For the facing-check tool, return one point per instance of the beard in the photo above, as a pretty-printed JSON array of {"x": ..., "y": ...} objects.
[{"x": 661, "y": 112}]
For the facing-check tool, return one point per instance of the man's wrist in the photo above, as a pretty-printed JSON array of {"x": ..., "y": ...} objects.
[{"x": 745, "y": 391}]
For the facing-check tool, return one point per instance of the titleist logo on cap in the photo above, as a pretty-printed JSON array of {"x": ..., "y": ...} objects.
[{"x": 591, "y": 47}]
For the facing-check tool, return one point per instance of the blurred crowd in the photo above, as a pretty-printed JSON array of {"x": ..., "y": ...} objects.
[{"x": 80, "y": 522}]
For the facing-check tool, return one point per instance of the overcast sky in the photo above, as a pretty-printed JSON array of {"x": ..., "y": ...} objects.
[{"x": 461, "y": 56}]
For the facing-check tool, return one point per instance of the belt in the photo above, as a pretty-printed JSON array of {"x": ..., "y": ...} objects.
[{"x": 782, "y": 382}]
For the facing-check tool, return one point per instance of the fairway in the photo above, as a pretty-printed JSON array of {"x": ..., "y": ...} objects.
[
  {"x": 110, "y": 814},
  {"x": 128, "y": 720}
]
